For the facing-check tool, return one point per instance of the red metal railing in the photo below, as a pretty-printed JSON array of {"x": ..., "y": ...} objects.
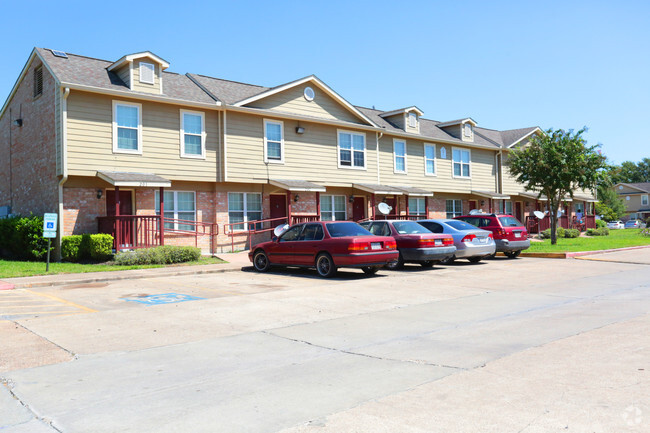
[
  {"x": 296, "y": 219},
  {"x": 143, "y": 231},
  {"x": 533, "y": 225},
  {"x": 250, "y": 228}
]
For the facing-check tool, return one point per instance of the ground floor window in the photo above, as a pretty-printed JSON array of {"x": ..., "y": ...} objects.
[
  {"x": 244, "y": 207},
  {"x": 332, "y": 208},
  {"x": 179, "y": 205},
  {"x": 508, "y": 208},
  {"x": 579, "y": 209},
  {"x": 417, "y": 206},
  {"x": 454, "y": 208}
]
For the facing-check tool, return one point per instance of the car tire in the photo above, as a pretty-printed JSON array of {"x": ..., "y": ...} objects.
[
  {"x": 427, "y": 263},
  {"x": 491, "y": 256},
  {"x": 448, "y": 260},
  {"x": 474, "y": 259},
  {"x": 261, "y": 261},
  {"x": 325, "y": 265},
  {"x": 370, "y": 270},
  {"x": 397, "y": 264},
  {"x": 512, "y": 254}
]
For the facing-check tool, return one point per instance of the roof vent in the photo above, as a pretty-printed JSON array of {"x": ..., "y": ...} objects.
[{"x": 59, "y": 54}]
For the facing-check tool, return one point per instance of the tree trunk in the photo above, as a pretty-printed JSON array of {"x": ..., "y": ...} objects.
[{"x": 553, "y": 215}]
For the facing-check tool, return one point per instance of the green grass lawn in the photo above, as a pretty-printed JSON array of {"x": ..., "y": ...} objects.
[
  {"x": 616, "y": 239},
  {"x": 10, "y": 269}
]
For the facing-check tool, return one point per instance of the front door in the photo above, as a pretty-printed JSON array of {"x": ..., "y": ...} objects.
[
  {"x": 358, "y": 209},
  {"x": 126, "y": 208},
  {"x": 518, "y": 212},
  {"x": 278, "y": 203},
  {"x": 472, "y": 205}
]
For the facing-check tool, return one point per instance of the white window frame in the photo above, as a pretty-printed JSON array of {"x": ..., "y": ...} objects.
[
  {"x": 644, "y": 200},
  {"x": 333, "y": 211},
  {"x": 137, "y": 151},
  {"x": 455, "y": 212},
  {"x": 144, "y": 65},
  {"x": 418, "y": 200},
  {"x": 175, "y": 211},
  {"x": 395, "y": 156},
  {"x": 454, "y": 162},
  {"x": 203, "y": 134},
  {"x": 245, "y": 210},
  {"x": 467, "y": 130},
  {"x": 412, "y": 119},
  {"x": 266, "y": 154},
  {"x": 338, "y": 150},
  {"x": 435, "y": 165}
]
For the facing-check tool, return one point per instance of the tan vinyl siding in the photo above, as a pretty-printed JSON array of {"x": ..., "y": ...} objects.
[
  {"x": 634, "y": 203},
  {"x": 124, "y": 72},
  {"x": 482, "y": 168},
  {"x": 90, "y": 142},
  {"x": 145, "y": 87},
  {"x": 398, "y": 120},
  {"x": 510, "y": 184},
  {"x": 293, "y": 101},
  {"x": 312, "y": 156}
]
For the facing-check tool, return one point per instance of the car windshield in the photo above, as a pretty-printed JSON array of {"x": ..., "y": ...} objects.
[
  {"x": 510, "y": 222},
  {"x": 460, "y": 225},
  {"x": 409, "y": 228},
  {"x": 339, "y": 230}
]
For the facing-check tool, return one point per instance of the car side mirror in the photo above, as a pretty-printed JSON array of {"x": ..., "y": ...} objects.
[{"x": 274, "y": 238}]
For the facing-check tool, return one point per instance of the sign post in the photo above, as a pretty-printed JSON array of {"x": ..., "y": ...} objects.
[{"x": 49, "y": 232}]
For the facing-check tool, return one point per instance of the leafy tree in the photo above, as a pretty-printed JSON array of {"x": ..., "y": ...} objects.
[
  {"x": 555, "y": 164},
  {"x": 632, "y": 172},
  {"x": 609, "y": 205}
]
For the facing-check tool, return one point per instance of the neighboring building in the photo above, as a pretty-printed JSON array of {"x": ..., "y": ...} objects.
[
  {"x": 636, "y": 197},
  {"x": 91, "y": 139}
]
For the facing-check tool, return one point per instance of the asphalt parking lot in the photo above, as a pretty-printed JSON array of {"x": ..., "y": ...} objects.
[{"x": 525, "y": 345}]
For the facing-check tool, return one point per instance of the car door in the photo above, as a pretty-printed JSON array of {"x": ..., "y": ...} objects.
[
  {"x": 308, "y": 244},
  {"x": 282, "y": 251}
]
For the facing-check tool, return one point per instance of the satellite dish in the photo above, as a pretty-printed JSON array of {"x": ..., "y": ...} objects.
[
  {"x": 384, "y": 208},
  {"x": 280, "y": 229},
  {"x": 474, "y": 211},
  {"x": 539, "y": 214}
]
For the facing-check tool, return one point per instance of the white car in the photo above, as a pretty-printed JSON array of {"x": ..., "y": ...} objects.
[{"x": 613, "y": 225}]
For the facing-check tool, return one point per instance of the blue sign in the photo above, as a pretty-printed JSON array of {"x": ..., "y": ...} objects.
[{"x": 165, "y": 298}]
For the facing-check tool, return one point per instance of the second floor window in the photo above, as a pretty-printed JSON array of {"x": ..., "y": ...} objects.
[
  {"x": 273, "y": 141},
  {"x": 352, "y": 150},
  {"x": 332, "y": 208},
  {"x": 399, "y": 154},
  {"x": 644, "y": 200},
  {"x": 192, "y": 134},
  {"x": 429, "y": 159},
  {"x": 127, "y": 127},
  {"x": 461, "y": 159}
]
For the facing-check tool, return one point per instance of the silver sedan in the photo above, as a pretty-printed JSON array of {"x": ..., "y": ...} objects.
[{"x": 471, "y": 243}]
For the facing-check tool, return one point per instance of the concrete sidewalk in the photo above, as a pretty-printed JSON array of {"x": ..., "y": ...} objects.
[{"x": 236, "y": 261}]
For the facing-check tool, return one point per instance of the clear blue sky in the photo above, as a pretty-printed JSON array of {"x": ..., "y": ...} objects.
[{"x": 559, "y": 64}]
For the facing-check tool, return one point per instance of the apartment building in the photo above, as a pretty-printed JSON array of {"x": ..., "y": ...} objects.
[
  {"x": 98, "y": 141},
  {"x": 635, "y": 196}
]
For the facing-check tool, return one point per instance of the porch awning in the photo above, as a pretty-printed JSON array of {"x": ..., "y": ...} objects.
[
  {"x": 415, "y": 192},
  {"x": 533, "y": 196},
  {"x": 297, "y": 185},
  {"x": 118, "y": 178},
  {"x": 490, "y": 194},
  {"x": 378, "y": 189},
  {"x": 585, "y": 198}
]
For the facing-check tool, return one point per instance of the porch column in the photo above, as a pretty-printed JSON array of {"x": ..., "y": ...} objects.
[
  {"x": 372, "y": 203},
  {"x": 318, "y": 204},
  {"x": 118, "y": 237},
  {"x": 426, "y": 207},
  {"x": 408, "y": 211},
  {"x": 162, "y": 215},
  {"x": 289, "y": 200}
]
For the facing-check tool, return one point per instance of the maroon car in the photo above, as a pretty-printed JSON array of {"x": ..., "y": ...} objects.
[
  {"x": 510, "y": 235},
  {"x": 327, "y": 246},
  {"x": 415, "y": 243}
]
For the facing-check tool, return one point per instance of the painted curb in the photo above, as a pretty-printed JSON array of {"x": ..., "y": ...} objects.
[
  {"x": 6, "y": 286},
  {"x": 570, "y": 255}
]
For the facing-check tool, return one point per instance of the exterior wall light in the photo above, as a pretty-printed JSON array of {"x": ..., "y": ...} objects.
[
  {"x": 296, "y": 198},
  {"x": 100, "y": 192},
  {"x": 300, "y": 130}
]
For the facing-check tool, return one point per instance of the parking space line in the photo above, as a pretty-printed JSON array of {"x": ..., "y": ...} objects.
[{"x": 72, "y": 304}]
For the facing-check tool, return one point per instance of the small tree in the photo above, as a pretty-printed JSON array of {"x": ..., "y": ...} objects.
[
  {"x": 555, "y": 164},
  {"x": 609, "y": 205}
]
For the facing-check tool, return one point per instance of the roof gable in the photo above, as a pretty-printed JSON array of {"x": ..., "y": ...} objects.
[
  {"x": 131, "y": 57},
  {"x": 402, "y": 110},
  {"x": 643, "y": 187}
]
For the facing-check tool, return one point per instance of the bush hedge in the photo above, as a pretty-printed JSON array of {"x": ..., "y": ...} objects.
[
  {"x": 96, "y": 247},
  {"x": 571, "y": 233},
  {"x": 560, "y": 233},
  {"x": 158, "y": 256},
  {"x": 601, "y": 231},
  {"x": 21, "y": 238},
  {"x": 600, "y": 223}
]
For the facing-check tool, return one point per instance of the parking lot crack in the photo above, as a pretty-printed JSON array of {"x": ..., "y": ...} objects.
[
  {"x": 380, "y": 358},
  {"x": 8, "y": 384},
  {"x": 72, "y": 354}
]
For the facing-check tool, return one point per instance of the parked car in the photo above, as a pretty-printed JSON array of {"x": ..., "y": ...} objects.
[
  {"x": 615, "y": 225},
  {"x": 326, "y": 246},
  {"x": 415, "y": 243},
  {"x": 634, "y": 224},
  {"x": 510, "y": 235},
  {"x": 471, "y": 243}
]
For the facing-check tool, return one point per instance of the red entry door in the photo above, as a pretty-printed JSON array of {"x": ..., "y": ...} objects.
[
  {"x": 518, "y": 212},
  {"x": 358, "y": 209},
  {"x": 473, "y": 205},
  {"x": 278, "y": 204},
  {"x": 126, "y": 208}
]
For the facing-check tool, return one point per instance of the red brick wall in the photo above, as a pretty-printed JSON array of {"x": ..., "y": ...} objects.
[
  {"x": 33, "y": 148},
  {"x": 81, "y": 209}
]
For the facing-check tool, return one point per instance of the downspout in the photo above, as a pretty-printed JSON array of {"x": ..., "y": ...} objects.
[
  {"x": 225, "y": 146},
  {"x": 64, "y": 163},
  {"x": 378, "y": 136}
]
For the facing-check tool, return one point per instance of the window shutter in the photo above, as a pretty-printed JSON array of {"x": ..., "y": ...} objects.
[{"x": 146, "y": 73}]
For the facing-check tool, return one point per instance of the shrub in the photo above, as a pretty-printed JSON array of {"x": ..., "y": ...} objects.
[
  {"x": 600, "y": 223},
  {"x": 571, "y": 233},
  {"x": 21, "y": 238},
  {"x": 101, "y": 247},
  {"x": 645, "y": 232},
  {"x": 602, "y": 231},
  {"x": 76, "y": 248},
  {"x": 546, "y": 234},
  {"x": 70, "y": 248},
  {"x": 158, "y": 256}
]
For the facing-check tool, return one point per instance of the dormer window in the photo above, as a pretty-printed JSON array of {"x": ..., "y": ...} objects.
[
  {"x": 467, "y": 130},
  {"x": 147, "y": 73},
  {"x": 413, "y": 120}
]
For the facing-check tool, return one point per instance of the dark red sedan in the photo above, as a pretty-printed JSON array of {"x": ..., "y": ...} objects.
[
  {"x": 327, "y": 246},
  {"x": 415, "y": 243}
]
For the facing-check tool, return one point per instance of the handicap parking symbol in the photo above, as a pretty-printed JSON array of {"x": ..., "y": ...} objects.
[{"x": 165, "y": 298}]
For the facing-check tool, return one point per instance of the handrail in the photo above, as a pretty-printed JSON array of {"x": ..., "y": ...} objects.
[{"x": 228, "y": 229}]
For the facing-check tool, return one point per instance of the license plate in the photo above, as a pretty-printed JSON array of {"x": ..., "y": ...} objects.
[
  {"x": 517, "y": 234},
  {"x": 375, "y": 245},
  {"x": 438, "y": 242},
  {"x": 482, "y": 240}
]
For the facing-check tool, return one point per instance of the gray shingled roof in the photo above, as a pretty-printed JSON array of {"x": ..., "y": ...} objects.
[
  {"x": 87, "y": 71},
  {"x": 645, "y": 186},
  {"x": 512, "y": 135},
  {"x": 226, "y": 91}
]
